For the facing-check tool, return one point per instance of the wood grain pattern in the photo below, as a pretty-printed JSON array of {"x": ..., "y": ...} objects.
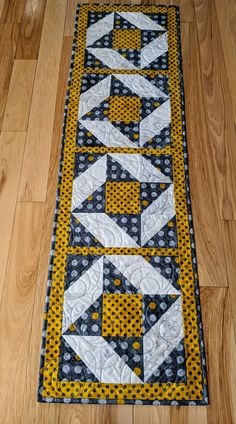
[
  {"x": 12, "y": 11},
  {"x": 1, "y": 7},
  {"x": 8, "y": 38},
  {"x": 219, "y": 349},
  {"x": 219, "y": 116},
  {"x": 38, "y": 412},
  {"x": 70, "y": 17},
  {"x": 96, "y": 414},
  {"x": 19, "y": 96},
  {"x": 151, "y": 415},
  {"x": 229, "y": 238},
  {"x": 39, "y": 136},
  {"x": 186, "y": 9},
  {"x": 11, "y": 155},
  {"x": 17, "y": 308},
  {"x": 226, "y": 17},
  {"x": 30, "y": 30},
  {"x": 188, "y": 415},
  {"x": 211, "y": 262}
]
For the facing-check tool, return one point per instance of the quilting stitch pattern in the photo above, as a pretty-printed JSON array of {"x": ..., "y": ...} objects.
[{"x": 129, "y": 328}]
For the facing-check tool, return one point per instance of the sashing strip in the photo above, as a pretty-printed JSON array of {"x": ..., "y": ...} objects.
[{"x": 122, "y": 319}]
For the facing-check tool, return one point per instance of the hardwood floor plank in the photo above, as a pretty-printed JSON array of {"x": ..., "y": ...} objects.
[
  {"x": 231, "y": 359},
  {"x": 12, "y": 11},
  {"x": 96, "y": 414},
  {"x": 30, "y": 30},
  {"x": 220, "y": 350},
  {"x": 151, "y": 414},
  {"x": 32, "y": 411},
  {"x": 47, "y": 414},
  {"x": 8, "y": 39},
  {"x": 19, "y": 96},
  {"x": 70, "y": 17},
  {"x": 1, "y": 7},
  {"x": 226, "y": 14},
  {"x": 39, "y": 137},
  {"x": 188, "y": 415},
  {"x": 229, "y": 238},
  {"x": 211, "y": 262},
  {"x": 11, "y": 155},
  {"x": 218, "y": 107},
  {"x": 17, "y": 308},
  {"x": 186, "y": 9}
]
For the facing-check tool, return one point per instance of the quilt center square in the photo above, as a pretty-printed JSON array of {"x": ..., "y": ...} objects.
[
  {"x": 122, "y": 315},
  {"x": 126, "y": 39},
  {"x": 124, "y": 108},
  {"x": 123, "y": 197}
]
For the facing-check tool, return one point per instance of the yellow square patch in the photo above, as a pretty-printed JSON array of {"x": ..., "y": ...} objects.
[
  {"x": 123, "y": 197},
  {"x": 124, "y": 108},
  {"x": 122, "y": 315},
  {"x": 126, "y": 39}
]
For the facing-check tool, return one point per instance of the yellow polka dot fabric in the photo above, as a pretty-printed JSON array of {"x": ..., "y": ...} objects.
[
  {"x": 122, "y": 315},
  {"x": 122, "y": 321},
  {"x": 123, "y": 197},
  {"x": 127, "y": 38},
  {"x": 125, "y": 109}
]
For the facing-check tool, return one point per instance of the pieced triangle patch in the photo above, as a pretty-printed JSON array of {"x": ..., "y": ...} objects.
[
  {"x": 94, "y": 203},
  {"x": 89, "y": 323},
  {"x": 121, "y": 23},
  {"x": 159, "y": 18},
  {"x": 132, "y": 55},
  {"x": 154, "y": 306},
  {"x": 120, "y": 89},
  {"x": 159, "y": 63},
  {"x": 100, "y": 112},
  {"x": 116, "y": 172},
  {"x": 168, "y": 267},
  {"x": 130, "y": 130},
  {"x": 115, "y": 281},
  {"x": 71, "y": 367},
  {"x": 130, "y": 349},
  {"x": 85, "y": 138},
  {"x": 84, "y": 161},
  {"x": 150, "y": 192},
  {"x": 162, "y": 163},
  {"x": 162, "y": 83},
  {"x": 173, "y": 369},
  {"x": 148, "y": 36},
  {"x": 129, "y": 223},
  {"x": 76, "y": 266},
  {"x": 166, "y": 237},
  {"x": 149, "y": 105},
  {"x": 92, "y": 61},
  {"x": 160, "y": 140},
  {"x": 105, "y": 41},
  {"x": 95, "y": 17},
  {"x": 80, "y": 236},
  {"x": 90, "y": 80}
]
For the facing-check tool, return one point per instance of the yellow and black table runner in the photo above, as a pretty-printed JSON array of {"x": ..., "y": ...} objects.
[{"x": 122, "y": 319}]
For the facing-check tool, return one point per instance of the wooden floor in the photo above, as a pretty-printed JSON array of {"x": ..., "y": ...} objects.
[{"x": 35, "y": 48}]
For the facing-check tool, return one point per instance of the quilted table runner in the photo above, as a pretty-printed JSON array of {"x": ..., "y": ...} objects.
[{"x": 122, "y": 319}]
